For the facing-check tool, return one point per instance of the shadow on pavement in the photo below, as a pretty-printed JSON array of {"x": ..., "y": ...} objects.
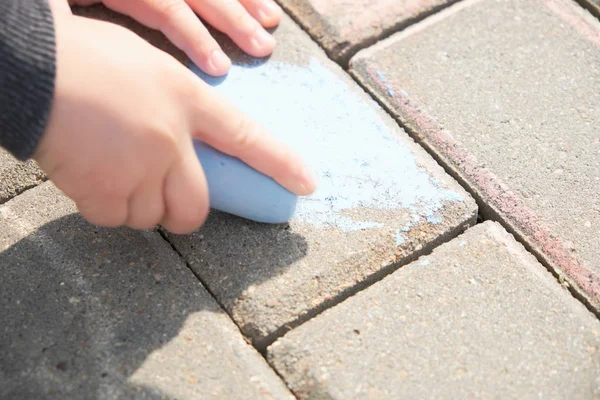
[{"x": 82, "y": 307}]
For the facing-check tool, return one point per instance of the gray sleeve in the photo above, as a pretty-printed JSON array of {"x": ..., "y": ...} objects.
[{"x": 27, "y": 73}]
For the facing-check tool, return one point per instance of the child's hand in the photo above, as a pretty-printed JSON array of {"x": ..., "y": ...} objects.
[
  {"x": 242, "y": 20},
  {"x": 119, "y": 137}
]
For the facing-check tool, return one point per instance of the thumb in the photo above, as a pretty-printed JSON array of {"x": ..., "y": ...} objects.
[{"x": 224, "y": 127}]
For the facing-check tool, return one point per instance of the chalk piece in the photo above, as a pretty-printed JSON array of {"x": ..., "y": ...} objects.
[{"x": 238, "y": 189}]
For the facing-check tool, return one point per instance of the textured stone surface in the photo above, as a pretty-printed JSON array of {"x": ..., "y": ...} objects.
[
  {"x": 344, "y": 26},
  {"x": 478, "y": 318},
  {"x": 509, "y": 101},
  {"x": 382, "y": 200},
  {"x": 90, "y": 313},
  {"x": 15, "y": 176}
]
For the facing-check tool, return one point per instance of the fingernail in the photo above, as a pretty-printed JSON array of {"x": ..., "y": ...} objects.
[
  {"x": 219, "y": 60},
  {"x": 269, "y": 10},
  {"x": 262, "y": 39},
  {"x": 309, "y": 181}
]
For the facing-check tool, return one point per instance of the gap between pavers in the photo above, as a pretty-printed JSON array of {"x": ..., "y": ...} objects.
[
  {"x": 477, "y": 318},
  {"x": 16, "y": 176},
  {"x": 89, "y": 312},
  {"x": 342, "y": 28},
  {"x": 496, "y": 112}
]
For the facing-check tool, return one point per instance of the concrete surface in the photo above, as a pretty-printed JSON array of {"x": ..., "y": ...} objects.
[
  {"x": 343, "y": 27},
  {"x": 508, "y": 101},
  {"x": 16, "y": 176},
  {"x": 478, "y": 318},
  {"x": 90, "y": 313},
  {"x": 382, "y": 200}
]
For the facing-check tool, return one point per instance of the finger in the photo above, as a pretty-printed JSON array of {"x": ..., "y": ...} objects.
[
  {"x": 60, "y": 7},
  {"x": 84, "y": 2},
  {"x": 227, "y": 129},
  {"x": 179, "y": 23},
  {"x": 107, "y": 212},
  {"x": 186, "y": 195},
  {"x": 230, "y": 17},
  {"x": 266, "y": 12},
  {"x": 146, "y": 206}
]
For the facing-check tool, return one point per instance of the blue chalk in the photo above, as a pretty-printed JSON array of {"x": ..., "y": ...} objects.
[{"x": 238, "y": 189}]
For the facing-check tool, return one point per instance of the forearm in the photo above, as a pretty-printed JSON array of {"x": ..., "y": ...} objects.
[{"x": 27, "y": 73}]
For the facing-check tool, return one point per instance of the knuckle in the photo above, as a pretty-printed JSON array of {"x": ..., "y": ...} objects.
[
  {"x": 162, "y": 139},
  {"x": 110, "y": 184},
  {"x": 244, "y": 21},
  {"x": 144, "y": 217},
  {"x": 203, "y": 49},
  {"x": 152, "y": 148},
  {"x": 183, "y": 83},
  {"x": 245, "y": 134},
  {"x": 169, "y": 10},
  {"x": 143, "y": 223},
  {"x": 138, "y": 219},
  {"x": 188, "y": 223}
]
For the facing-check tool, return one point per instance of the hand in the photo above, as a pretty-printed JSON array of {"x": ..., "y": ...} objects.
[
  {"x": 119, "y": 139},
  {"x": 242, "y": 20}
]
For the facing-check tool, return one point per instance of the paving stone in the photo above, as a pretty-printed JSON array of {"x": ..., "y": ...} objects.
[
  {"x": 382, "y": 199},
  {"x": 16, "y": 176},
  {"x": 478, "y": 318},
  {"x": 344, "y": 26},
  {"x": 91, "y": 313},
  {"x": 509, "y": 102}
]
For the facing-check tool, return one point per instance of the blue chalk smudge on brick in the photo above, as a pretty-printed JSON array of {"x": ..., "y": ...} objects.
[
  {"x": 359, "y": 159},
  {"x": 400, "y": 239},
  {"x": 390, "y": 89},
  {"x": 434, "y": 219}
]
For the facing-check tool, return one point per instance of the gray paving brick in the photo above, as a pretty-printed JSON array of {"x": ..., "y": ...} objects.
[
  {"x": 382, "y": 200},
  {"x": 342, "y": 27},
  {"x": 478, "y": 318},
  {"x": 506, "y": 94},
  {"x": 90, "y": 313},
  {"x": 15, "y": 176}
]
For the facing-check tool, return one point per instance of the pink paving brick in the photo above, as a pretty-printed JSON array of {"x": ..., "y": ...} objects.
[{"x": 343, "y": 27}]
